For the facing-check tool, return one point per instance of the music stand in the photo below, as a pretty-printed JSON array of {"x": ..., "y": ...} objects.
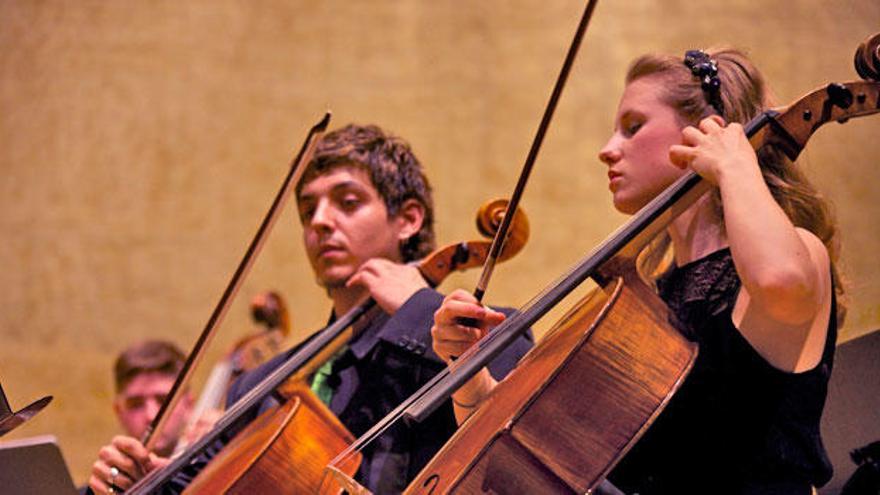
[
  {"x": 9, "y": 420},
  {"x": 32, "y": 466}
]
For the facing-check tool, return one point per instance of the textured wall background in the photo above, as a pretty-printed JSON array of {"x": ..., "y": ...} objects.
[{"x": 141, "y": 143}]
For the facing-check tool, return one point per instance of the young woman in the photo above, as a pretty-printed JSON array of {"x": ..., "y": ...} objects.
[{"x": 749, "y": 275}]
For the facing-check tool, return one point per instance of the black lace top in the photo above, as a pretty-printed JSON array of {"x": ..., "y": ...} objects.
[{"x": 737, "y": 425}]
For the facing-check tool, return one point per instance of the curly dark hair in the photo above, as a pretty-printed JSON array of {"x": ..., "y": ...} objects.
[{"x": 393, "y": 169}]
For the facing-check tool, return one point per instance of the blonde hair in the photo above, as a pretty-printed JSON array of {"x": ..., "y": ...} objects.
[{"x": 744, "y": 95}]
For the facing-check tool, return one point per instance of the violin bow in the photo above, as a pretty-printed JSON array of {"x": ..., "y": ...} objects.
[
  {"x": 296, "y": 170},
  {"x": 501, "y": 235}
]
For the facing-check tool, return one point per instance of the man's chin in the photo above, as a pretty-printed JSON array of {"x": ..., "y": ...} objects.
[{"x": 333, "y": 280}]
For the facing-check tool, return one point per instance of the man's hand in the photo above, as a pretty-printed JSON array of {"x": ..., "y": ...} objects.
[
  {"x": 390, "y": 284},
  {"x": 121, "y": 463}
]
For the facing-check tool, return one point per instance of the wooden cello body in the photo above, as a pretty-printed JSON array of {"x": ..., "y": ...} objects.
[
  {"x": 598, "y": 379},
  {"x": 285, "y": 448}
]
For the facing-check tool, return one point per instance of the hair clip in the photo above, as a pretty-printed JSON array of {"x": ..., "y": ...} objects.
[{"x": 706, "y": 69}]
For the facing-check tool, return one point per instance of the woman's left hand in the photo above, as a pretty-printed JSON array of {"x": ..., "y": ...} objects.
[{"x": 715, "y": 150}]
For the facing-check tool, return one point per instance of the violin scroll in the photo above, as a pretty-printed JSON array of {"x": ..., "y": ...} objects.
[{"x": 269, "y": 310}]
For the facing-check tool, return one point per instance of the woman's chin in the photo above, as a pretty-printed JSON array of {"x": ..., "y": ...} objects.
[{"x": 626, "y": 207}]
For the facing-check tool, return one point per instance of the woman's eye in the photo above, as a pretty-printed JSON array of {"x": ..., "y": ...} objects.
[{"x": 633, "y": 128}]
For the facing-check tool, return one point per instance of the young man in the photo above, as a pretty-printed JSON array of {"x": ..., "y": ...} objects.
[{"x": 367, "y": 212}]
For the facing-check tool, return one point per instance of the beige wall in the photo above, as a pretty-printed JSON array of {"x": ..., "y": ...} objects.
[{"x": 141, "y": 143}]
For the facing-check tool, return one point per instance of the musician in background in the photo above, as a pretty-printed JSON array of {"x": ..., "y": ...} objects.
[
  {"x": 145, "y": 372},
  {"x": 143, "y": 375}
]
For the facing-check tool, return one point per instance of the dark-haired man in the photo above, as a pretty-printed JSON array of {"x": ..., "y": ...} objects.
[{"x": 367, "y": 212}]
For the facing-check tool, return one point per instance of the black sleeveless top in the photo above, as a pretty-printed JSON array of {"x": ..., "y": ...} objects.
[{"x": 737, "y": 425}]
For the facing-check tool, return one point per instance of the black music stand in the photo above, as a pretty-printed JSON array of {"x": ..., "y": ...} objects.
[{"x": 10, "y": 419}]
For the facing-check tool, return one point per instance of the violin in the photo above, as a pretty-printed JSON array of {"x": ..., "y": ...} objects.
[{"x": 587, "y": 392}]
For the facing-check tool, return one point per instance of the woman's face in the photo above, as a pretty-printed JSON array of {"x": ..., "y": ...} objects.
[{"x": 637, "y": 154}]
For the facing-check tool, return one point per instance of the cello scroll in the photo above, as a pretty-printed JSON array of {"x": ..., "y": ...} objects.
[
  {"x": 470, "y": 254},
  {"x": 791, "y": 127}
]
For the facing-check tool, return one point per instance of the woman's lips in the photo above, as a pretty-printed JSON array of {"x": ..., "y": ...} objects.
[{"x": 613, "y": 179}]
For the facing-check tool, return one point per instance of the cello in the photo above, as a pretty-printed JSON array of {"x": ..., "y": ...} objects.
[
  {"x": 587, "y": 393},
  {"x": 301, "y": 414},
  {"x": 286, "y": 449}
]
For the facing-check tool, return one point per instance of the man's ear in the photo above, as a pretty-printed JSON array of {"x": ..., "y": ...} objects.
[{"x": 410, "y": 219}]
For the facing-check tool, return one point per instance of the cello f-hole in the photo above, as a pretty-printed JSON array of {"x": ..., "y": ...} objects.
[{"x": 431, "y": 483}]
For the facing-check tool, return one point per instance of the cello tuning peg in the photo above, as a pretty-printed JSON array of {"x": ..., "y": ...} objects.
[{"x": 840, "y": 95}]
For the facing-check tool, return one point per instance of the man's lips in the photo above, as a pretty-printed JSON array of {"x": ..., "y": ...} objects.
[{"x": 330, "y": 251}]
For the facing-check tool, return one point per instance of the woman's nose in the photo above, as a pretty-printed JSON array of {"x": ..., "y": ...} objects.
[{"x": 610, "y": 153}]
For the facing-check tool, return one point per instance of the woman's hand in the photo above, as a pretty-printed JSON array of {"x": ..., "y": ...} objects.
[
  {"x": 715, "y": 150},
  {"x": 451, "y": 336}
]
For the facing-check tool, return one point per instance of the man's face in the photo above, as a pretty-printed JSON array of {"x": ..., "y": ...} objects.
[
  {"x": 137, "y": 405},
  {"x": 345, "y": 223}
]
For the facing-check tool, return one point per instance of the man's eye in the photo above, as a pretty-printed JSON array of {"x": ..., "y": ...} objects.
[
  {"x": 136, "y": 402},
  {"x": 350, "y": 203},
  {"x": 305, "y": 214}
]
